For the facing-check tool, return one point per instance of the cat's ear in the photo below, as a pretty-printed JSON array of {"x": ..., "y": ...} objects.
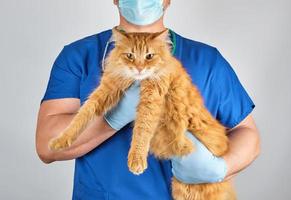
[
  {"x": 162, "y": 35},
  {"x": 118, "y": 35}
]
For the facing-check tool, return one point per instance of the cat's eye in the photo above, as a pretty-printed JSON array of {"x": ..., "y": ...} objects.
[
  {"x": 149, "y": 56},
  {"x": 130, "y": 56}
]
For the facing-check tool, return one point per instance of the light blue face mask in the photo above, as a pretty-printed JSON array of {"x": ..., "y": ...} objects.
[{"x": 141, "y": 12}]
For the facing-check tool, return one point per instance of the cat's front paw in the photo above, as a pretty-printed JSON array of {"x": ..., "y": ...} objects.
[
  {"x": 60, "y": 142},
  {"x": 137, "y": 163}
]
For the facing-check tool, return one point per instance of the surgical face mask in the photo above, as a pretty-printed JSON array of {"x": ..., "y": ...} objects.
[{"x": 141, "y": 12}]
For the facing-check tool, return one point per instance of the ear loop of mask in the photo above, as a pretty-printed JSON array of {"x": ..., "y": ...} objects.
[
  {"x": 106, "y": 48},
  {"x": 105, "y": 51}
]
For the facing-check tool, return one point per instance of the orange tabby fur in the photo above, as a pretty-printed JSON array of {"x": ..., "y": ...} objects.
[{"x": 169, "y": 105}]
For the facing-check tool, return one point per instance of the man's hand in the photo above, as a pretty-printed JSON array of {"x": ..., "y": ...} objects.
[
  {"x": 125, "y": 111},
  {"x": 200, "y": 166}
]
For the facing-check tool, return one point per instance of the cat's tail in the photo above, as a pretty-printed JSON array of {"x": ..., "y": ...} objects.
[{"x": 212, "y": 191}]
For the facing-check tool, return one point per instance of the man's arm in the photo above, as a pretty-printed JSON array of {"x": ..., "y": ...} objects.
[
  {"x": 244, "y": 146},
  {"x": 53, "y": 117}
]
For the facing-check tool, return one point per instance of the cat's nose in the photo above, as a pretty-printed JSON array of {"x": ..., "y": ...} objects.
[{"x": 139, "y": 68}]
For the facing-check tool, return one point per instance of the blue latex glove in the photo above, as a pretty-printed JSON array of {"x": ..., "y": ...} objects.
[
  {"x": 200, "y": 166},
  {"x": 124, "y": 112}
]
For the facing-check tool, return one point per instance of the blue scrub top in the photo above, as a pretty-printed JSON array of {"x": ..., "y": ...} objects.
[{"x": 103, "y": 173}]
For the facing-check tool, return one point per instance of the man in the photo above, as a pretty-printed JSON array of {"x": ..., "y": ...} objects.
[{"x": 101, "y": 151}]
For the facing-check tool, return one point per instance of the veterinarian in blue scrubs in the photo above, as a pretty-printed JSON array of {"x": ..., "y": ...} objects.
[{"x": 102, "y": 173}]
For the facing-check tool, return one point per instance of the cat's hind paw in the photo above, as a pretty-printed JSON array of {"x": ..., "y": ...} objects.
[
  {"x": 60, "y": 143},
  {"x": 137, "y": 163},
  {"x": 183, "y": 147}
]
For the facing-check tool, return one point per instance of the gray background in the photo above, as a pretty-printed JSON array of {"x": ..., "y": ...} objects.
[{"x": 254, "y": 36}]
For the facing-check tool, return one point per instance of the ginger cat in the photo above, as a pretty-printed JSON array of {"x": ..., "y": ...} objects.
[{"x": 169, "y": 105}]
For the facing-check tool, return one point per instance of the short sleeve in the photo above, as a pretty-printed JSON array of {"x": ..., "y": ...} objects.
[
  {"x": 64, "y": 80},
  {"x": 234, "y": 102}
]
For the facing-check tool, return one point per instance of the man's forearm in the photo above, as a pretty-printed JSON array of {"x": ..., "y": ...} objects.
[
  {"x": 244, "y": 147},
  {"x": 96, "y": 133}
]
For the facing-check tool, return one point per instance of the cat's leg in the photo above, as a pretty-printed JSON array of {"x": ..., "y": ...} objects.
[
  {"x": 209, "y": 131},
  {"x": 205, "y": 127},
  {"x": 167, "y": 143},
  {"x": 147, "y": 119},
  {"x": 103, "y": 98},
  {"x": 213, "y": 135},
  {"x": 176, "y": 128},
  {"x": 176, "y": 117}
]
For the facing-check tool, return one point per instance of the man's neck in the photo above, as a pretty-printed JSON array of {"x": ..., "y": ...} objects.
[{"x": 128, "y": 27}]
